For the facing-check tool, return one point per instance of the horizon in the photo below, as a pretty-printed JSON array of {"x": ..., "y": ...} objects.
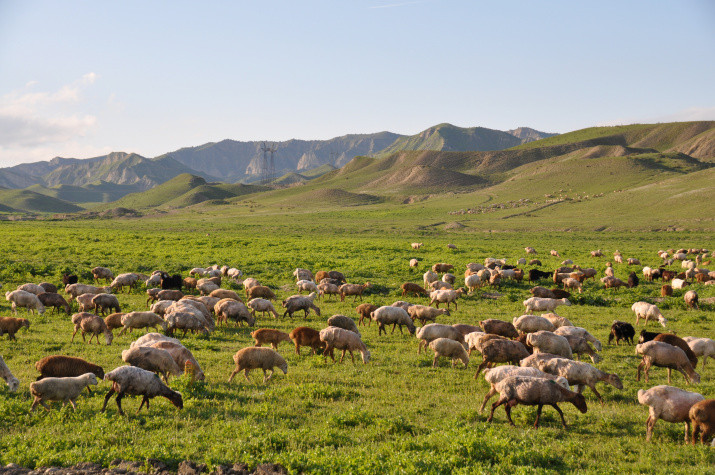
[{"x": 154, "y": 78}]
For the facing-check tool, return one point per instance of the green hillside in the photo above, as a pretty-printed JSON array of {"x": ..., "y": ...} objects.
[
  {"x": 316, "y": 172},
  {"x": 32, "y": 202}
]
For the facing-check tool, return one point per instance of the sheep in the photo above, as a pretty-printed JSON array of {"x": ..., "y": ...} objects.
[
  {"x": 152, "y": 359},
  {"x": 225, "y": 294},
  {"x": 544, "y": 305},
  {"x": 92, "y": 324},
  {"x": 647, "y": 311},
  {"x": 474, "y": 267},
  {"x": 532, "y": 323},
  {"x": 136, "y": 381},
  {"x": 521, "y": 261},
  {"x": 691, "y": 299},
  {"x": 450, "y": 349},
  {"x": 344, "y": 322},
  {"x": 12, "y": 382},
  {"x": 171, "y": 281},
  {"x": 392, "y": 316},
  {"x": 326, "y": 288},
  {"x": 182, "y": 356},
  {"x": 499, "y": 327},
  {"x": 647, "y": 336},
  {"x": 299, "y": 302},
  {"x": 429, "y": 277},
  {"x": 474, "y": 340},
  {"x": 423, "y": 313},
  {"x": 549, "y": 342},
  {"x": 338, "y": 338},
  {"x": 60, "y": 389},
  {"x": 306, "y": 285},
  {"x": 501, "y": 351},
  {"x": 134, "y": 320},
  {"x": 554, "y": 253},
  {"x": 632, "y": 280},
  {"x": 612, "y": 282},
  {"x": 445, "y": 296},
  {"x": 597, "y": 253},
  {"x": 61, "y": 366},
  {"x": 579, "y": 374},
  {"x": 632, "y": 261},
  {"x": 263, "y": 306},
  {"x": 103, "y": 302},
  {"x": 102, "y": 273},
  {"x": 432, "y": 331},
  {"x": 416, "y": 245},
  {"x": 542, "y": 292},
  {"x": 657, "y": 353},
  {"x": 557, "y": 321},
  {"x": 355, "y": 290},
  {"x": 184, "y": 321},
  {"x": 21, "y": 298},
  {"x": 440, "y": 285},
  {"x": 12, "y": 325},
  {"x": 442, "y": 267},
  {"x": 581, "y": 333},
  {"x": 535, "y": 391},
  {"x": 494, "y": 375},
  {"x": 678, "y": 283},
  {"x": 250, "y": 358},
  {"x": 75, "y": 290},
  {"x": 260, "y": 291},
  {"x": 304, "y": 336},
  {"x": 124, "y": 280},
  {"x": 160, "y": 307},
  {"x": 364, "y": 310},
  {"x": 702, "y": 417},
  {"x": 302, "y": 274},
  {"x": 621, "y": 331},
  {"x": 409, "y": 287},
  {"x": 84, "y": 302},
  {"x": 466, "y": 329},
  {"x": 666, "y": 290},
  {"x": 32, "y": 288},
  {"x": 570, "y": 283},
  {"x": 54, "y": 300},
  {"x": 534, "y": 262},
  {"x": 402, "y": 304},
  {"x": 414, "y": 262},
  {"x": 206, "y": 287},
  {"x": 473, "y": 282},
  {"x": 668, "y": 403},
  {"x": 451, "y": 246},
  {"x": 229, "y": 309},
  {"x": 269, "y": 335},
  {"x": 530, "y": 250},
  {"x": 704, "y": 347},
  {"x": 153, "y": 281},
  {"x": 68, "y": 279}
]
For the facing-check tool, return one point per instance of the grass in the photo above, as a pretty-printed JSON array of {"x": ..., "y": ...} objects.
[{"x": 395, "y": 414}]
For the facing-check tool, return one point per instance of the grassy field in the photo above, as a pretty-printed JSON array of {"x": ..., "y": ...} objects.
[{"x": 396, "y": 414}]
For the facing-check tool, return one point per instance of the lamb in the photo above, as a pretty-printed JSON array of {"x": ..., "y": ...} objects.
[
  {"x": 581, "y": 333},
  {"x": 502, "y": 351},
  {"x": 429, "y": 277},
  {"x": 152, "y": 359},
  {"x": 302, "y": 274},
  {"x": 124, "y": 280},
  {"x": 304, "y": 336},
  {"x": 702, "y": 417},
  {"x": 533, "y": 391},
  {"x": 450, "y": 349},
  {"x": 557, "y": 321},
  {"x": 269, "y": 335},
  {"x": 704, "y": 347},
  {"x": 691, "y": 299},
  {"x": 12, "y": 382},
  {"x": 61, "y": 366},
  {"x": 549, "y": 342},
  {"x": 21, "y": 298},
  {"x": 182, "y": 356},
  {"x": 60, "y": 389},
  {"x": 364, "y": 310},
  {"x": 307, "y": 285},
  {"x": 299, "y": 302},
  {"x": 473, "y": 282},
  {"x": 338, "y": 338},
  {"x": 423, "y": 313},
  {"x": 12, "y": 325},
  {"x": 138, "y": 382},
  {"x": 544, "y": 305},
  {"x": 50, "y": 299},
  {"x": 432, "y": 331},
  {"x": 392, "y": 316},
  {"x": 75, "y": 290},
  {"x": 92, "y": 324},
  {"x": 664, "y": 355},
  {"x": 668, "y": 403},
  {"x": 494, "y": 375},
  {"x": 104, "y": 302},
  {"x": 533, "y": 323},
  {"x": 32, "y": 288},
  {"x": 326, "y": 288},
  {"x": 229, "y": 309},
  {"x": 445, "y": 296},
  {"x": 580, "y": 374},
  {"x": 263, "y": 306},
  {"x": 410, "y": 288},
  {"x": 344, "y": 322},
  {"x": 353, "y": 289},
  {"x": 442, "y": 267},
  {"x": 102, "y": 273},
  {"x": 225, "y": 294},
  {"x": 647, "y": 311},
  {"x": 499, "y": 327},
  {"x": 621, "y": 331},
  {"x": 134, "y": 320}
]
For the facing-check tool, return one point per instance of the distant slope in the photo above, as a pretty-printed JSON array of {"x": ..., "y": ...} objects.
[
  {"x": 100, "y": 192},
  {"x": 31, "y": 202}
]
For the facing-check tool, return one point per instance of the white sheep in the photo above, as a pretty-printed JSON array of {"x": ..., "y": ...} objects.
[
  {"x": 473, "y": 341},
  {"x": 432, "y": 331},
  {"x": 229, "y": 309},
  {"x": 450, "y": 349},
  {"x": 388, "y": 315},
  {"x": 657, "y": 353},
  {"x": 185, "y": 321},
  {"x": 92, "y": 324},
  {"x": 206, "y": 287},
  {"x": 704, "y": 347},
  {"x": 445, "y": 296},
  {"x": 12, "y": 382},
  {"x": 233, "y": 273},
  {"x": 668, "y": 403},
  {"x": 678, "y": 284},
  {"x": 537, "y": 304},
  {"x": 141, "y": 320},
  {"x": 151, "y": 338},
  {"x": 429, "y": 277},
  {"x": 579, "y": 374},
  {"x": 263, "y": 306},
  {"x": 557, "y": 321},
  {"x": 22, "y": 298},
  {"x": 691, "y": 299},
  {"x": 423, "y": 313},
  {"x": 414, "y": 262},
  {"x": 341, "y": 339},
  {"x": 549, "y": 342},
  {"x": 102, "y": 273},
  {"x": 579, "y": 332},
  {"x": 152, "y": 359},
  {"x": 532, "y": 323},
  {"x": 499, "y": 373},
  {"x": 138, "y": 382},
  {"x": 124, "y": 280},
  {"x": 253, "y": 357},
  {"x": 571, "y": 283},
  {"x": 75, "y": 290},
  {"x": 302, "y": 274},
  {"x": 306, "y": 285},
  {"x": 473, "y": 282},
  {"x": 32, "y": 288},
  {"x": 648, "y": 311},
  {"x": 60, "y": 389}
]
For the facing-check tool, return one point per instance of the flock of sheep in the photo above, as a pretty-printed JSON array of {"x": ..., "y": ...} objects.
[{"x": 539, "y": 349}]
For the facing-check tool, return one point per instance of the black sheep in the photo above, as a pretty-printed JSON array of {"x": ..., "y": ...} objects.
[
  {"x": 647, "y": 336},
  {"x": 536, "y": 274},
  {"x": 632, "y": 280},
  {"x": 171, "y": 282},
  {"x": 68, "y": 279},
  {"x": 621, "y": 331}
]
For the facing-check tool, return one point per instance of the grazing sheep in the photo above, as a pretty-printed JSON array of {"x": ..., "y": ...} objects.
[
  {"x": 675, "y": 340},
  {"x": 657, "y": 353},
  {"x": 260, "y": 291},
  {"x": 451, "y": 246},
  {"x": 466, "y": 329},
  {"x": 445, "y": 296},
  {"x": 414, "y": 262},
  {"x": 533, "y": 323},
  {"x": 691, "y": 299},
  {"x": 205, "y": 287},
  {"x": 60, "y": 389},
  {"x": 338, "y": 338},
  {"x": 230, "y": 309},
  {"x": 554, "y": 253},
  {"x": 185, "y": 321},
  {"x": 621, "y": 331},
  {"x": 124, "y": 280},
  {"x": 530, "y": 250},
  {"x": 344, "y": 322},
  {"x": 364, "y": 310},
  {"x": 612, "y": 282},
  {"x": 102, "y": 302},
  {"x": 301, "y": 274},
  {"x": 12, "y": 325},
  {"x": 494, "y": 375},
  {"x": 182, "y": 356},
  {"x": 92, "y": 324},
  {"x": 704, "y": 347},
  {"x": 304, "y": 336},
  {"x": 299, "y": 302},
  {"x": 152, "y": 359},
  {"x": 597, "y": 253},
  {"x": 432, "y": 331},
  {"x": 225, "y": 294},
  {"x": 668, "y": 403},
  {"x": 263, "y": 306},
  {"x": 542, "y": 292},
  {"x": 499, "y": 327},
  {"x": 581, "y": 333},
  {"x": 355, "y": 290},
  {"x": 702, "y": 417},
  {"x": 579, "y": 374},
  {"x": 75, "y": 290},
  {"x": 410, "y": 288},
  {"x": 424, "y": 313},
  {"x": 549, "y": 342},
  {"x": 632, "y": 261},
  {"x": 429, "y": 277},
  {"x": 50, "y": 299},
  {"x": 632, "y": 280},
  {"x": 442, "y": 267},
  {"x": 394, "y": 316},
  {"x": 416, "y": 245},
  {"x": 502, "y": 351},
  {"x": 85, "y": 303},
  {"x": 449, "y": 348},
  {"x": 134, "y": 320},
  {"x": 32, "y": 288},
  {"x": 544, "y": 305},
  {"x": 12, "y": 382},
  {"x": 269, "y": 335},
  {"x": 150, "y": 338},
  {"x": 22, "y": 298},
  {"x": 538, "y": 392},
  {"x": 679, "y": 283},
  {"x": 570, "y": 283},
  {"x": 401, "y": 304},
  {"x": 61, "y": 366},
  {"x": 647, "y": 311},
  {"x": 473, "y": 282},
  {"x": 306, "y": 285},
  {"x": 557, "y": 321},
  {"x": 138, "y": 382},
  {"x": 440, "y": 285},
  {"x": 666, "y": 291},
  {"x": 102, "y": 273},
  {"x": 326, "y": 288},
  {"x": 68, "y": 279}
]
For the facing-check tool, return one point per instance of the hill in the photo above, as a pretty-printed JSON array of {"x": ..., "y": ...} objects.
[{"x": 31, "y": 202}]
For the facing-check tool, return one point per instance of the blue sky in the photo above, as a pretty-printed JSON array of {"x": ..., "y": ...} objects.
[{"x": 83, "y": 78}]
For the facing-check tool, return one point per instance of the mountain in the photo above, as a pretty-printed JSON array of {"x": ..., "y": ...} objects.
[{"x": 31, "y": 202}]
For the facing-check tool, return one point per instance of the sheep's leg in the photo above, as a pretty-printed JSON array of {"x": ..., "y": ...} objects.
[
  {"x": 106, "y": 398},
  {"x": 393, "y": 328},
  {"x": 563, "y": 421},
  {"x": 649, "y": 425},
  {"x": 538, "y": 415},
  {"x": 352, "y": 356},
  {"x": 120, "y": 395},
  {"x": 233, "y": 373},
  {"x": 687, "y": 430},
  {"x": 434, "y": 362},
  {"x": 419, "y": 347},
  {"x": 647, "y": 369},
  {"x": 507, "y": 409},
  {"x": 480, "y": 368},
  {"x": 638, "y": 373},
  {"x": 696, "y": 431},
  {"x": 297, "y": 349},
  {"x": 76, "y": 329},
  {"x": 499, "y": 402},
  {"x": 669, "y": 372},
  {"x": 245, "y": 374},
  {"x": 593, "y": 388},
  {"x": 144, "y": 400},
  {"x": 343, "y": 356},
  {"x": 35, "y": 403},
  {"x": 489, "y": 395}
]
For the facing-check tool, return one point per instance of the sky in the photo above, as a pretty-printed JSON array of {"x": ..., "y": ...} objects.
[{"x": 84, "y": 78}]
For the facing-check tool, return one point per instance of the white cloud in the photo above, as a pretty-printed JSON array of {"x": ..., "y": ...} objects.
[{"x": 10, "y": 156}]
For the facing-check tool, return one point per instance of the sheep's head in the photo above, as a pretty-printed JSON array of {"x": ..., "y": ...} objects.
[
  {"x": 25, "y": 323},
  {"x": 90, "y": 378},
  {"x": 283, "y": 366},
  {"x": 365, "y": 356},
  {"x": 13, "y": 384},
  {"x": 580, "y": 402},
  {"x": 7, "y": 295},
  {"x": 108, "y": 337},
  {"x": 615, "y": 381},
  {"x": 662, "y": 320}
]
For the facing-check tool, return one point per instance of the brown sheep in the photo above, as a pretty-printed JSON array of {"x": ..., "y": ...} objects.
[
  {"x": 702, "y": 418},
  {"x": 364, "y": 310},
  {"x": 190, "y": 283},
  {"x": 409, "y": 287},
  {"x": 261, "y": 291},
  {"x": 54, "y": 300},
  {"x": 61, "y": 366},
  {"x": 442, "y": 267},
  {"x": 114, "y": 321},
  {"x": 11, "y": 325},
  {"x": 675, "y": 340},
  {"x": 666, "y": 291},
  {"x": 269, "y": 335},
  {"x": 305, "y": 336},
  {"x": 499, "y": 327},
  {"x": 353, "y": 289}
]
